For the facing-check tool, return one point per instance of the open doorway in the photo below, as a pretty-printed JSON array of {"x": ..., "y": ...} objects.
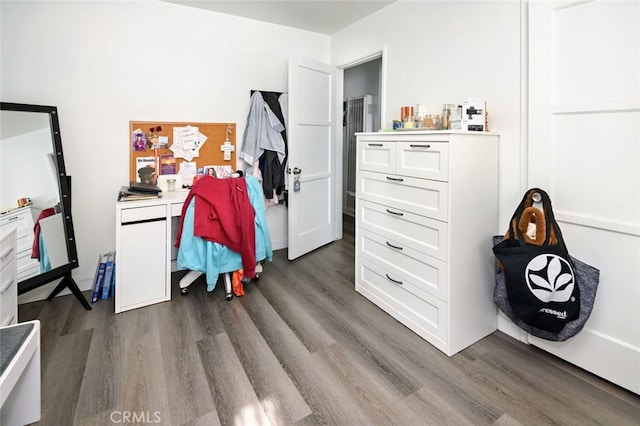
[{"x": 362, "y": 87}]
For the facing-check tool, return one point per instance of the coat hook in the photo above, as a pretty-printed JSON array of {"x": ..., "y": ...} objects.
[{"x": 536, "y": 197}]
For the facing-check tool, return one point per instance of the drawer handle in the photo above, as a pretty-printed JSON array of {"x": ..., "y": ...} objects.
[
  {"x": 13, "y": 218},
  {"x": 419, "y": 146},
  {"x": 6, "y": 253},
  {"x": 392, "y": 246},
  {"x": 396, "y": 213},
  {"x": 393, "y": 281},
  {"x": 375, "y": 144},
  {"x": 6, "y": 287},
  {"x": 395, "y": 179},
  {"x": 10, "y": 320}
]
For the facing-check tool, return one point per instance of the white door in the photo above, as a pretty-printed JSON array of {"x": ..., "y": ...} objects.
[
  {"x": 584, "y": 148},
  {"x": 313, "y": 157}
]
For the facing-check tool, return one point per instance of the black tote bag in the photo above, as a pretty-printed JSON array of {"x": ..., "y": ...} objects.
[{"x": 539, "y": 275}]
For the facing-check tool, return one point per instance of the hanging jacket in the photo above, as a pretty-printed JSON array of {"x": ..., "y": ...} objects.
[
  {"x": 223, "y": 214},
  {"x": 261, "y": 132}
]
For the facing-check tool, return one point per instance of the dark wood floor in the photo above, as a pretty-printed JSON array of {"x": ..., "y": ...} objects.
[{"x": 302, "y": 347}]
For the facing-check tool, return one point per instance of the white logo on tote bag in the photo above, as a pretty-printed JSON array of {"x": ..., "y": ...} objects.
[{"x": 550, "y": 278}]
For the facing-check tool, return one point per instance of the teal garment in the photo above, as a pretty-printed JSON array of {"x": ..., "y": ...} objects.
[
  {"x": 45, "y": 264},
  {"x": 212, "y": 258}
]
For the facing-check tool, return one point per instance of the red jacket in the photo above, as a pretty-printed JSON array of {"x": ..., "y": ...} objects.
[
  {"x": 223, "y": 214},
  {"x": 35, "y": 247}
]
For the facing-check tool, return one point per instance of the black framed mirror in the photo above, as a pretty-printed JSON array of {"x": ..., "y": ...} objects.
[{"x": 35, "y": 197}]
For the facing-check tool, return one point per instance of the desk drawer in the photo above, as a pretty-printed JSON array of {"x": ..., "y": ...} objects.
[
  {"x": 420, "y": 196},
  {"x": 137, "y": 214},
  {"x": 176, "y": 209}
]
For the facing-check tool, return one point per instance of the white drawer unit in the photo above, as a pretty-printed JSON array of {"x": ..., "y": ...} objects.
[
  {"x": 145, "y": 235},
  {"x": 23, "y": 219},
  {"x": 426, "y": 209},
  {"x": 141, "y": 255},
  {"x": 8, "y": 277}
]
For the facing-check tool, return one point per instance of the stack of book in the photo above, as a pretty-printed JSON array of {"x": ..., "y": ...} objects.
[
  {"x": 105, "y": 277},
  {"x": 139, "y": 191}
]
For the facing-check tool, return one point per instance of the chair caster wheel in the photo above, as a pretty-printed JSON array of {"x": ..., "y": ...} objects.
[
  {"x": 228, "y": 296},
  {"x": 184, "y": 291}
]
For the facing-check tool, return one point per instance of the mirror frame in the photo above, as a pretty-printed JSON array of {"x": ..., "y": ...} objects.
[{"x": 64, "y": 189}]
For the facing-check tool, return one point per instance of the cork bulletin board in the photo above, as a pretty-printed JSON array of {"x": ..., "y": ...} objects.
[{"x": 150, "y": 143}]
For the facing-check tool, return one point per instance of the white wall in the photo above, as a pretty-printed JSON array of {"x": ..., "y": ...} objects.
[
  {"x": 440, "y": 52},
  {"x": 26, "y": 170},
  {"x": 106, "y": 63}
]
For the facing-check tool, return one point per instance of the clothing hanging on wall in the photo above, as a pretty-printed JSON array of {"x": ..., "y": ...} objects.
[{"x": 265, "y": 140}]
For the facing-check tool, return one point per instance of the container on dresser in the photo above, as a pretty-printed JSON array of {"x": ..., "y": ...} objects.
[
  {"x": 8, "y": 277},
  {"x": 24, "y": 220},
  {"x": 426, "y": 209}
]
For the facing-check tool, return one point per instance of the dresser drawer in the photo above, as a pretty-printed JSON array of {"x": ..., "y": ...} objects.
[
  {"x": 377, "y": 156},
  {"x": 426, "y": 317},
  {"x": 26, "y": 266},
  {"x": 8, "y": 283},
  {"x": 422, "y": 275},
  {"x": 21, "y": 219},
  {"x": 420, "y": 196},
  {"x": 421, "y": 233},
  {"x": 9, "y": 314},
  {"x": 25, "y": 243},
  {"x": 428, "y": 160},
  {"x": 7, "y": 249}
]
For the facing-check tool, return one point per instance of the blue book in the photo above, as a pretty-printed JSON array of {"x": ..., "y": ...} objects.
[
  {"x": 99, "y": 278},
  {"x": 112, "y": 293},
  {"x": 108, "y": 276}
]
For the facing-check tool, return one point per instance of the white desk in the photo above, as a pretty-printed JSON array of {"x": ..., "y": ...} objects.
[{"x": 144, "y": 249}]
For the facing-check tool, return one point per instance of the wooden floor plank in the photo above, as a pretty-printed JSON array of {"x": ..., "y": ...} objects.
[
  {"x": 280, "y": 399},
  {"x": 235, "y": 399},
  {"x": 100, "y": 390},
  {"x": 144, "y": 388},
  {"x": 63, "y": 376},
  {"x": 190, "y": 397}
]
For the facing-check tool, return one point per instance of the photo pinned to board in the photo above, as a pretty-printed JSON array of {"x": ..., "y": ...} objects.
[
  {"x": 138, "y": 140},
  {"x": 146, "y": 170}
]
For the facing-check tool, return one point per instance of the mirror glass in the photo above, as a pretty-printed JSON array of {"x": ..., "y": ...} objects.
[{"x": 35, "y": 193}]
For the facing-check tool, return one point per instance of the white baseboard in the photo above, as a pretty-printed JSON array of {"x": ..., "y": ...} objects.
[
  {"x": 279, "y": 244},
  {"x": 600, "y": 354}
]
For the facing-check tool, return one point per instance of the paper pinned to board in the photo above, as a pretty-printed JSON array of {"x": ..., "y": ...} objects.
[
  {"x": 187, "y": 142},
  {"x": 187, "y": 171}
]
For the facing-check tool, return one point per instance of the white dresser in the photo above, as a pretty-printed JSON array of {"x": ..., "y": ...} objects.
[
  {"x": 8, "y": 277},
  {"x": 24, "y": 220},
  {"x": 426, "y": 209}
]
